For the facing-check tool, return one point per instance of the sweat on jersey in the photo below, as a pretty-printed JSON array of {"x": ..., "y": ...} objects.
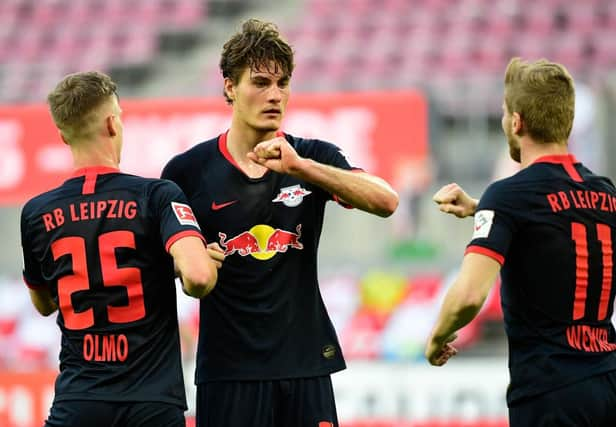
[
  {"x": 552, "y": 227},
  {"x": 265, "y": 319},
  {"x": 99, "y": 244}
]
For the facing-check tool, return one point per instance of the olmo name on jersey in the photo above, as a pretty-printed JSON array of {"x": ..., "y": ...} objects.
[{"x": 105, "y": 348}]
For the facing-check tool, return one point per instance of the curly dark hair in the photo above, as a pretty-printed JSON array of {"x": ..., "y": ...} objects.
[{"x": 257, "y": 45}]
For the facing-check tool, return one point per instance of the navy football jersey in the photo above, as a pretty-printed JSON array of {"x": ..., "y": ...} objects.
[
  {"x": 265, "y": 319},
  {"x": 99, "y": 244},
  {"x": 552, "y": 226}
]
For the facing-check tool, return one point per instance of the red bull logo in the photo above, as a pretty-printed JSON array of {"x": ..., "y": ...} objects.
[
  {"x": 261, "y": 241},
  {"x": 291, "y": 196}
]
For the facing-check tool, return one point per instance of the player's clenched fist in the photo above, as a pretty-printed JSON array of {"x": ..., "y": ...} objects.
[
  {"x": 438, "y": 353},
  {"x": 452, "y": 199},
  {"x": 216, "y": 253},
  {"x": 276, "y": 154}
]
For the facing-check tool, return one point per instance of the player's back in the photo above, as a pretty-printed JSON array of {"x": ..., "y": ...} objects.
[
  {"x": 558, "y": 291},
  {"x": 99, "y": 242}
]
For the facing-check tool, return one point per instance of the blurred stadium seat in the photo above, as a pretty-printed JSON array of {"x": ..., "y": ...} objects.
[{"x": 341, "y": 45}]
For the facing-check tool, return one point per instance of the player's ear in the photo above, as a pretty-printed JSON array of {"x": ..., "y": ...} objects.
[
  {"x": 516, "y": 123},
  {"x": 110, "y": 124},
  {"x": 229, "y": 89},
  {"x": 64, "y": 140}
]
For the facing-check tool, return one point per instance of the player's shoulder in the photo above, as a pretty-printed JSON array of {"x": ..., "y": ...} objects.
[
  {"x": 505, "y": 190},
  {"x": 196, "y": 154},
  {"x": 599, "y": 180},
  {"x": 304, "y": 146},
  {"x": 42, "y": 202}
]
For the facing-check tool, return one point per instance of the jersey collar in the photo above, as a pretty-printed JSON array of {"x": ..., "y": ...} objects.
[
  {"x": 94, "y": 170},
  {"x": 566, "y": 161},
  {"x": 224, "y": 150},
  {"x": 557, "y": 158}
]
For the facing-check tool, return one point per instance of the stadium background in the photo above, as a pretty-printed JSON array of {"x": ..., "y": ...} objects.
[{"x": 411, "y": 89}]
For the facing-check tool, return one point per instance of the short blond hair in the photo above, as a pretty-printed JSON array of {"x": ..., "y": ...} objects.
[
  {"x": 543, "y": 93},
  {"x": 75, "y": 99}
]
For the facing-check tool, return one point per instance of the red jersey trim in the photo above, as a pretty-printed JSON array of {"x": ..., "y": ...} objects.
[
  {"x": 33, "y": 286},
  {"x": 222, "y": 146},
  {"x": 487, "y": 252},
  {"x": 566, "y": 160},
  {"x": 91, "y": 173},
  {"x": 96, "y": 170},
  {"x": 177, "y": 236},
  {"x": 89, "y": 184}
]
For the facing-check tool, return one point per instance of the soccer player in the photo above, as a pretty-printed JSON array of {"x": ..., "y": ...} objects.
[
  {"x": 552, "y": 228},
  {"x": 267, "y": 346},
  {"x": 95, "y": 249}
]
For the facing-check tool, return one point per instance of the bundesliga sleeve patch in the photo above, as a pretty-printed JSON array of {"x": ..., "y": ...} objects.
[
  {"x": 483, "y": 224},
  {"x": 184, "y": 214}
]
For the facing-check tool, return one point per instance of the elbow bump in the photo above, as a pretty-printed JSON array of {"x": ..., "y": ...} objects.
[
  {"x": 206, "y": 281},
  {"x": 388, "y": 206},
  {"x": 47, "y": 311}
]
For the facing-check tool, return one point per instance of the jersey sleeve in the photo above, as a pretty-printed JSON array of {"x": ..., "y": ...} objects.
[
  {"x": 495, "y": 223},
  {"x": 175, "y": 215},
  {"x": 172, "y": 171},
  {"x": 32, "y": 274},
  {"x": 330, "y": 154}
]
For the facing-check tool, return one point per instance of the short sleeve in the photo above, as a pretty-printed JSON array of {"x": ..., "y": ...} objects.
[
  {"x": 175, "y": 216},
  {"x": 330, "y": 154},
  {"x": 32, "y": 274},
  {"x": 494, "y": 224}
]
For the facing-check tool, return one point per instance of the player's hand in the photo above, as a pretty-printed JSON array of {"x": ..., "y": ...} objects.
[
  {"x": 276, "y": 154},
  {"x": 452, "y": 199},
  {"x": 216, "y": 253},
  {"x": 438, "y": 353}
]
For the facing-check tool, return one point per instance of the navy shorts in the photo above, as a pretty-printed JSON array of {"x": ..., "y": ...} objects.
[
  {"x": 588, "y": 403},
  {"x": 297, "y": 402},
  {"x": 95, "y": 413}
]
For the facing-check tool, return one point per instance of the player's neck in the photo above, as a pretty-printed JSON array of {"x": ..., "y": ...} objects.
[
  {"x": 531, "y": 151},
  {"x": 242, "y": 139},
  {"x": 90, "y": 155}
]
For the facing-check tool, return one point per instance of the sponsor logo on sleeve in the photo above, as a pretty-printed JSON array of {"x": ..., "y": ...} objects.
[
  {"x": 184, "y": 214},
  {"x": 483, "y": 224}
]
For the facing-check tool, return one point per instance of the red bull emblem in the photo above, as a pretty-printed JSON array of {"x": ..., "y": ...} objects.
[
  {"x": 291, "y": 196},
  {"x": 261, "y": 241}
]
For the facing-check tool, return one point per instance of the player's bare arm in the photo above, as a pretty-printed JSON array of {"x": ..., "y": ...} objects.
[
  {"x": 462, "y": 303},
  {"x": 452, "y": 199},
  {"x": 196, "y": 268},
  {"x": 42, "y": 301},
  {"x": 359, "y": 189}
]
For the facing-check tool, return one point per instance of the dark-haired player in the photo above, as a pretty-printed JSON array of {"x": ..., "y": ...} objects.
[
  {"x": 552, "y": 228},
  {"x": 267, "y": 346},
  {"x": 97, "y": 250}
]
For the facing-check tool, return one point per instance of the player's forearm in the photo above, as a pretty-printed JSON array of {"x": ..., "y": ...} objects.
[
  {"x": 360, "y": 190},
  {"x": 457, "y": 311}
]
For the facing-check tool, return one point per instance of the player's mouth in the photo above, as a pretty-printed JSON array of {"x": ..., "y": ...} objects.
[{"x": 272, "y": 111}]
